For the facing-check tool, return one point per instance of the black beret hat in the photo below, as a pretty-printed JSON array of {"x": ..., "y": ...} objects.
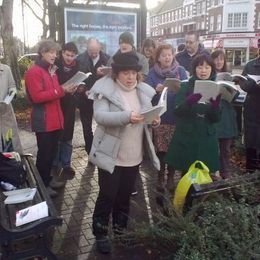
[{"x": 125, "y": 61}]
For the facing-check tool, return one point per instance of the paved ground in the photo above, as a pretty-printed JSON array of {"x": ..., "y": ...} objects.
[{"x": 74, "y": 239}]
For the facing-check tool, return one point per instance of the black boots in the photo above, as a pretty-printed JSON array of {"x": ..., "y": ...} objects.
[{"x": 103, "y": 244}]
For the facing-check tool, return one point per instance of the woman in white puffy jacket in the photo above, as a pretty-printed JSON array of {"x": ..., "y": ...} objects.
[{"x": 117, "y": 148}]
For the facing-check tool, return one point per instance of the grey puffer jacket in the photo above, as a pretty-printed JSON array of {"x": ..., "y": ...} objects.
[{"x": 112, "y": 118}]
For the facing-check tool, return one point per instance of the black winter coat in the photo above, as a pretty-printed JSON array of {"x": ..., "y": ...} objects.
[
  {"x": 252, "y": 106},
  {"x": 68, "y": 106},
  {"x": 185, "y": 59},
  {"x": 86, "y": 65}
]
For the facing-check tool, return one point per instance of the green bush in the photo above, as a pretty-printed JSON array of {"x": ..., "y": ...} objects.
[
  {"x": 24, "y": 64},
  {"x": 220, "y": 228},
  {"x": 21, "y": 102}
]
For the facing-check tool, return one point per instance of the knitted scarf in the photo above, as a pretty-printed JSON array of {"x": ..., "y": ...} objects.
[{"x": 171, "y": 72}]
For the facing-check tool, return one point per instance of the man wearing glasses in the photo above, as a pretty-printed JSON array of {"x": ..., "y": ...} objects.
[{"x": 192, "y": 49}]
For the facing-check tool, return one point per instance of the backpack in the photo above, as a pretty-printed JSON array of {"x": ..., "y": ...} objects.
[{"x": 12, "y": 171}]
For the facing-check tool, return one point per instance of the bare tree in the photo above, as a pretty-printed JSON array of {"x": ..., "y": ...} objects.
[
  {"x": 9, "y": 43},
  {"x": 42, "y": 16}
]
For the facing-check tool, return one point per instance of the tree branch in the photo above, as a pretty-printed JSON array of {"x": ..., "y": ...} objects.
[{"x": 34, "y": 13}]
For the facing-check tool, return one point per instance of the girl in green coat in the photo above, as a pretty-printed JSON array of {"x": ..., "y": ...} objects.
[
  {"x": 227, "y": 126},
  {"x": 195, "y": 133}
]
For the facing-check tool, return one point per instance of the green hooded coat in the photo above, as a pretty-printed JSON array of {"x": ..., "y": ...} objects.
[{"x": 195, "y": 133}]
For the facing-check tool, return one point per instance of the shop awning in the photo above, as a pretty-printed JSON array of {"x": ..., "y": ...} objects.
[{"x": 211, "y": 44}]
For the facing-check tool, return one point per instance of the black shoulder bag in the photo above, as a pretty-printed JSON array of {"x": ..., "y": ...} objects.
[{"x": 12, "y": 171}]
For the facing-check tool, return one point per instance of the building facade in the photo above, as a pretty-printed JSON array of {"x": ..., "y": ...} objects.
[{"x": 233, "y": 25}]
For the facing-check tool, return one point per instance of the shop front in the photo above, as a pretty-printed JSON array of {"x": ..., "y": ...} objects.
[{"x": 240, "y": 50}]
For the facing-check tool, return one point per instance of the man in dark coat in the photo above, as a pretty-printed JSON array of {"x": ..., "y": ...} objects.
[
  {"x": 67, "y": 67},
  {"x": 90, "y": 61},
  {"x": 252, "y": 113},
  {"x": 126, "y": 44},
  {"x": 192, "y": 49}
]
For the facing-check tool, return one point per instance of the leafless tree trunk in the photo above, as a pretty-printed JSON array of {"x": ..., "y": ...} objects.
[
  {"x": 9, "y": 44},
  {"x": 52, "y": 12}
]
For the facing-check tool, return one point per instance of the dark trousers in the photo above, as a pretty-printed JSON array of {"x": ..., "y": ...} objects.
[
  {"x": 68, "y": 108},
  {"x": 252, "y": 160},
  {"x": 114, "y": 196},
  {"x": 47, "y": 143},
  {"x": 85, "y": 106},
  {"x": 224, "y": 156}
]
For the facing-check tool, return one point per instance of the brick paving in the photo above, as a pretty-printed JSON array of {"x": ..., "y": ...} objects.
[{"x": 74, "y": 239}]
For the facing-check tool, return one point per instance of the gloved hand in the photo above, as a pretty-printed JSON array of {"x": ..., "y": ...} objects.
[
  {"x": 242, "y": 83},
  {"x": 215, "y": 102},
  {"x": 193, "y": 98}
]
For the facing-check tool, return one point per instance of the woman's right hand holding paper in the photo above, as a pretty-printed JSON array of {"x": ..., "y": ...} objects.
[{"x": 136, "y": 118}]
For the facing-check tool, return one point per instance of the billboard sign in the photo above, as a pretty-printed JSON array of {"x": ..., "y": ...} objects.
[{"x": 105, "y": 25}]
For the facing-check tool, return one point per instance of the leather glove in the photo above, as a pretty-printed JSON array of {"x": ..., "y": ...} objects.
[
  {"x": 215, "y": 102},
  {"x": 241, "y": 83},
  {"x": 193, "y": 98}
]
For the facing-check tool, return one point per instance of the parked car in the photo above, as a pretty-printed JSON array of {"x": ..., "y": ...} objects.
[
  {"x": 30, "y": 56},
  {"x": 26, "y": 61}
]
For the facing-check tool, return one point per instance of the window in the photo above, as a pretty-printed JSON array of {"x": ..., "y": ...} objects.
[
  {"x": 190, "y": 10},
  {"x": 180, "y": 16},
  {"x": 258, "y": 20},
  {"x": 219, "y": 21},
  {"x": 211, "y": 23},
  {"x": 230, "y": 19},
  {"x": 244, "y": 20},
  {"x": 186, "y": 11},
  {"x": 203, "y": 7},
  {"x": 179, "y": 28},
  {"x": 202, "y": 25},
  {"x": 199, "y": 8},
  {"x": 237, "y": 20}
]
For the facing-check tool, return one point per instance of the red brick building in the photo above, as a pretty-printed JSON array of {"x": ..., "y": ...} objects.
[{"x": 230, "y": 24}]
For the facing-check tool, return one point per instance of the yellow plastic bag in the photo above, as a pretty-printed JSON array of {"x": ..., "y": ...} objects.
[{"x": 197, "y": 173}]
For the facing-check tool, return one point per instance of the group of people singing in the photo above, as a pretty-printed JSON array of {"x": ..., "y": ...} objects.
[{"x": 189, "y": 130}]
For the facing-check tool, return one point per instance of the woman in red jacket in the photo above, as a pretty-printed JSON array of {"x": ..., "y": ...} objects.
[{"x": 44, "y": 91}]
